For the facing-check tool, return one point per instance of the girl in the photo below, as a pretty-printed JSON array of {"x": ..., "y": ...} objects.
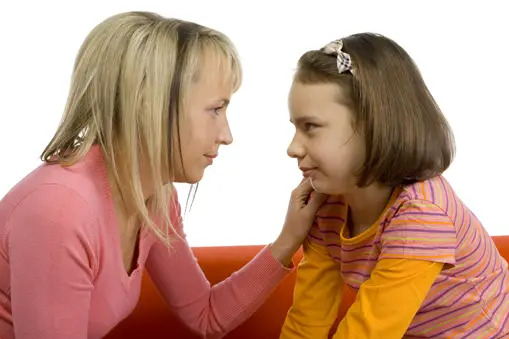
[
  {"x": 369, "y": 133},
  {"x": 147, "y": 107}
]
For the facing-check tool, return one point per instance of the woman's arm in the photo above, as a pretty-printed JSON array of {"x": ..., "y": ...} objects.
[
  {"x": 214, "y": 311},
  {"x": 211, "y": 311},
  {"x": 51, "y": 258}
]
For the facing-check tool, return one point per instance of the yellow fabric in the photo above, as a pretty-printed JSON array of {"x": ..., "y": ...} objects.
[
  {"x": 388, "y": 301},
  {"x": 317, "y": 295},
  {"x": 384, "y": 307}
]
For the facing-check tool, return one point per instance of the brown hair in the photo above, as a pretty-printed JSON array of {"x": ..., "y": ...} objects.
[{"x": 407, "y": 138}]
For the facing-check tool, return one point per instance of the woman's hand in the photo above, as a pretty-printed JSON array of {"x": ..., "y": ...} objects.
[{"x": 304, "y": 204}]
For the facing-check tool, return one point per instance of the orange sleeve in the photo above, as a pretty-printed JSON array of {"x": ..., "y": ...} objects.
[
  {"x": 388, "y": 301},
  {"x": 317, "y": 295}
]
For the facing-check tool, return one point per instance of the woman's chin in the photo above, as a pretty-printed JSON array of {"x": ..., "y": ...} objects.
[{"x": 190, "y": 177}]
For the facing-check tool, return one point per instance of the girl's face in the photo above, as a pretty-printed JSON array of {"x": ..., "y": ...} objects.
[
  {"x": 325, "y": 145},
  {"x": 203, "y": 127}
]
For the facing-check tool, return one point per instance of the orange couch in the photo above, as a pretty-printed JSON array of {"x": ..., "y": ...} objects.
[{"x": 152, "y": 318}]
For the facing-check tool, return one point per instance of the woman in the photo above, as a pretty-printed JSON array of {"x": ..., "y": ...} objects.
[{"x": 147, "y": 108}]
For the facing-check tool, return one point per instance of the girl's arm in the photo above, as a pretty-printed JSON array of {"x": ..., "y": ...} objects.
[
  {"x": 416, "y": 244},
  {"x": 317, "y": 295},
  {"x": 388, "y": 301}
]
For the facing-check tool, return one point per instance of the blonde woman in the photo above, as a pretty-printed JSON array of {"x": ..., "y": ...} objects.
[{"x": 147, "y": 107}]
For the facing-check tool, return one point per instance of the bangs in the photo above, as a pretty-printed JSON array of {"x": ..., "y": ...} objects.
[{"x": 224, "y": 58}]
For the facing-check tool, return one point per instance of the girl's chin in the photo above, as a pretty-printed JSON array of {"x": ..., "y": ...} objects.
[
  {"x": 322, "y": 186},
  {"x": 318, "y": 185}
]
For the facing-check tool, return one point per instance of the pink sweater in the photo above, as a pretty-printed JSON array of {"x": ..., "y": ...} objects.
[{"x": 61, "y": 268}]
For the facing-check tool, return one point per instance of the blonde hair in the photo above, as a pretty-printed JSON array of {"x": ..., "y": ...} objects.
[{"x": 130, "y": 79}]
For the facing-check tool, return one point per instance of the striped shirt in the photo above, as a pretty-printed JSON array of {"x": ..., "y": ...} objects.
[{"x": 427, "y": 221}]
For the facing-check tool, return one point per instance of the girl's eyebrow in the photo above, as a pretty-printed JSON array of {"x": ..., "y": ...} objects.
[{"x": 305, "y": 118}]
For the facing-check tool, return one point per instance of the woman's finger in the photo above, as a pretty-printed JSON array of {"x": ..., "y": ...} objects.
[
  {"x": 316, "y": 200},
  {"x": 304, "y": 187}
]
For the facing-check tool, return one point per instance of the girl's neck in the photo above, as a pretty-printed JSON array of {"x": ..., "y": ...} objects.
[{"x": 367, "y": 203}]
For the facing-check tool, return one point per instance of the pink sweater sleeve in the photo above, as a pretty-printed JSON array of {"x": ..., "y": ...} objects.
[
  {"x": 51, "y": 260},
  {"x": 211, "y": 311}
]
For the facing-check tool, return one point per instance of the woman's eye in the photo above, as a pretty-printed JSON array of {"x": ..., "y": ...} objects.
[{"x": 217, "y": 110}]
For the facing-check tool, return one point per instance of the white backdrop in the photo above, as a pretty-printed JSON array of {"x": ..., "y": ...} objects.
[{"x": 460, "y": 47}]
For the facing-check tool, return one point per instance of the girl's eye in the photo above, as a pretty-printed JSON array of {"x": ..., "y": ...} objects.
[{"x": 309, "y": 126}]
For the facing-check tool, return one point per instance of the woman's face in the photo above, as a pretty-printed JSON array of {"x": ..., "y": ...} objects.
[{"x": 203, "y": 126}]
